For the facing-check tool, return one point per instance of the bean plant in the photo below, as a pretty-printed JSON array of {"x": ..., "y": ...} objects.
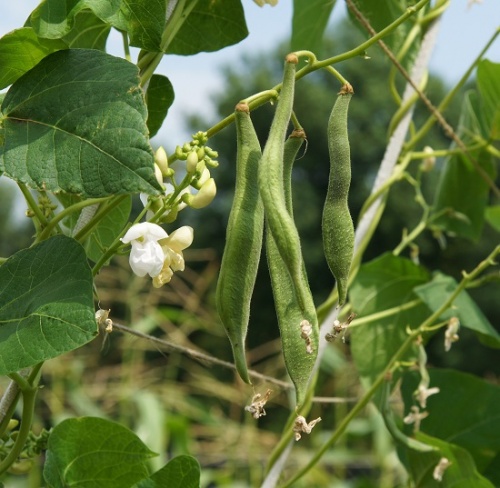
[{"x": 75, "y": 138}]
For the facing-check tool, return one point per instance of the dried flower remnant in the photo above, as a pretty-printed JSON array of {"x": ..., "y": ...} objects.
[
  {"x": 301, "y": 426},
  {"x": 451, "y": 333},
  {"x": 415, "y": 417},
  {"x": 305, "y": 333},
  {"x": 256, "y": 408},
  {"x": 339, "y": 327},
  {"x": 440, "y": 468},
  {"x": 101, "y": 317},
  {"x": 423, "y": 393}
]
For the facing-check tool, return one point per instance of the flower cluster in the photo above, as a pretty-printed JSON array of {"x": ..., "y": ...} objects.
[{"x": 156, "y": 253}]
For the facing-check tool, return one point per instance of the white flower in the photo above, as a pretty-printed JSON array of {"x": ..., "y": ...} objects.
[
  {"x": 146, "y": 255},
  {"x": 172, "y": 247}
]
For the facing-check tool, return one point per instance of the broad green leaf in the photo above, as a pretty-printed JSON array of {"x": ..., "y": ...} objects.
[
  {"x": 464, "y": 412},
  {"x": 310, "y": 18},
  {"x": 54, "y": 19},
  {"x": 181, "y": 472},
  {"x": 462, "y": 193},
  {"x": 493, "y": 216},
  {"x": 144, "y": 20},
  {"x": 76, "y": 123},
  {"x": 209, "y": 27},
  {"x": 437, "y": 291},
  {"x": 488, "y": 83},
  {"x": 93, "y": 452},
  {"x": 461, "y": 473},
  {"x": 22, "y": 49},
  {"x": 383, "y": 284},
  {"x": 159, "y": 98},
  {"x": 46, "y": 303},
  {"x": 380, "y": 15},
  {"x": 108, "y": 229},
  {"x": 88, "y": 32}
]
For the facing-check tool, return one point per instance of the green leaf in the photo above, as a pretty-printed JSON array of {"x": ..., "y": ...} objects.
[
  {"x": 464, "y": 412},
  {"x": 94, "y": 453},
  {"x": 461, "y": 473},
  {"x": 437, "y": 291},
  {"x": 493, "y": 216},
  {"x": 54, "y": 19},
  {"x": 488, "y": 83},
  {"x": 159, "y": 98},
  {"x": 108, "y": 229},
  {"x": 310, "y": 18},
  {"x": 181, "y": 472},
  {"x": 22, "y": 49},
  {"x": 382, "y": 284},
  {"x": 380, "y": 15},
  {"x": 462, "y": 193},
  {"x": 76, "y": 123},
  {"x": 144, "y": 20},
  {"x": 88, "y": 32},
  {"x": 46, "y": 303},
  {"x": 209, "y": 27}
]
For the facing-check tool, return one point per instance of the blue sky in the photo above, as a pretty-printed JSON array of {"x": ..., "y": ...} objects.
[{"x": 464, "y": 31}]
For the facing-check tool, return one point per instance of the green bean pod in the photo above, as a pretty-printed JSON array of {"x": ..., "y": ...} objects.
[
  {"x": 299, "y": 344},
  {"x": 243, "y": 247},
  {"x": 271, "y": 185},
  {"x": 338, "y": 228}
]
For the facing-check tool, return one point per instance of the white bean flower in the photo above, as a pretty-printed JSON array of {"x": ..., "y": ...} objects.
[{"x": 146, "y": 255}]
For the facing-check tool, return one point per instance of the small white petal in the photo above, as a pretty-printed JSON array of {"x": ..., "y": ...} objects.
[
  {"x": 144, "y": 231},
  {"x": 146, "y": 258},
  {"x": 180, "y": 239}
]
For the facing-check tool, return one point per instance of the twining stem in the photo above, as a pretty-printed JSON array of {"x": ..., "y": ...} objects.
[
  {"x": 316, "y": 65},
  {"x": 426, "y": 326}
]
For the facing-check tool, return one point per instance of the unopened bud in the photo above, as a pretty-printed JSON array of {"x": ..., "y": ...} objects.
[
  {"x": 161, "y": 160},
  {"x": 191, "y": 162},
  {"x": 428, "y": 162}
]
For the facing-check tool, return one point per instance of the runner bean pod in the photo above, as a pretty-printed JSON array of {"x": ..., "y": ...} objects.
[
  {"x": 298, "y": 328},
  {"x": 271, "y": 185},
  {"x": 337, "y": 225},
  {"x": 244, "y": 236}
]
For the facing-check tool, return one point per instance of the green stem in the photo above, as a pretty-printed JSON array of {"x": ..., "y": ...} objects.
[
  {"x": 33, "y": 205},
  {"x": 385, "y": 313},
  {"x": 126, "y": 47}
]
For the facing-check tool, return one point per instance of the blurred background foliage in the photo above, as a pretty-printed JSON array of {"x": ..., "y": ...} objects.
[{"x": 181, "y": 405}]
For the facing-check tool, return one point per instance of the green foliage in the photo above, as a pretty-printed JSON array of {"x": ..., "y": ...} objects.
[
  {"x": 46, "y": 309},
  {"x": 94, "y": 452},
  {"x": 75, "y": 136},
  {"x": 85, "y": 140}
]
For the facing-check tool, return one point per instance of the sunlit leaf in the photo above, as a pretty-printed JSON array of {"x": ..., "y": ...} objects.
[
  {"x": 159, "y": 98},
  {"x": 76, "y": 123},
  {"x": 46, "y": 303},
  {"x": 88, "y": 32},
  {"x": 437, "y": 291},
  {"x": 386, "y": 283},
  {"x": 488, "y": 83},
  {"x": 54, "y": 19},
  {"x": 310, "y": 18},
  {"x": 94, "y": 453},
  {"x": 209, "y": 27},
  {"x": 22, "y": 49}
]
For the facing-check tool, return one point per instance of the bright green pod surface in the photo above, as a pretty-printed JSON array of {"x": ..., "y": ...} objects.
[
  {"x": 240, "y": 260},
  {"x": 337, "y": 225},
  {"x": 271, "y": 185},
  {"x": 299, "y": 352}
]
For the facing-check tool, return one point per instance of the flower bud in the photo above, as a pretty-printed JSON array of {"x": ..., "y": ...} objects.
[
  {"x": 191, "y": 162},
  {"x": 428, "y": 162},
  {"x": 161, "y": 160}
]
